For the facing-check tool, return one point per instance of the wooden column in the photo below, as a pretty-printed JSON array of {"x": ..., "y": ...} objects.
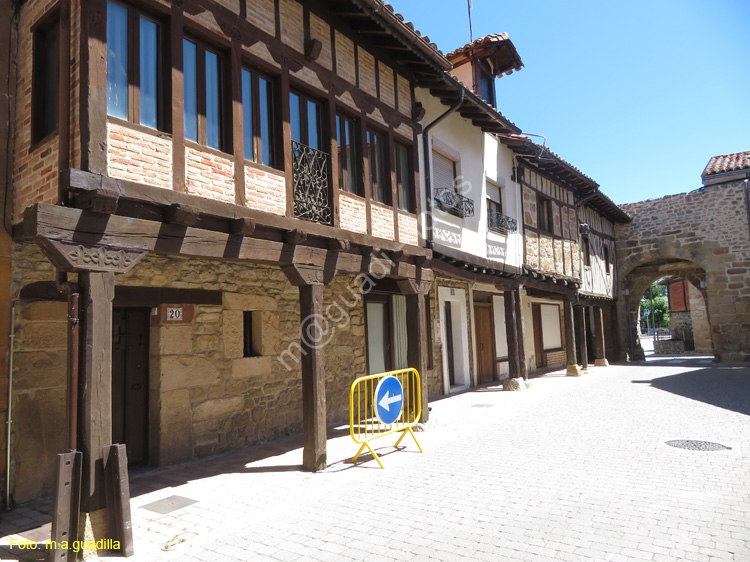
[
  {"x": 511, "y": 333},
  {"x": 416, "y": 334},
  {"x": 522, "y": 368},
  {"x": 95, "y": 383},
  {"x": 93, "y": 87},
  {"x": 581, "y": 321},
  {"x": 599, "y": 348},
  {"x": 313, "y": 378},
  {"x": 178, "y": 104},
  {"x": 570, "y": 339}
]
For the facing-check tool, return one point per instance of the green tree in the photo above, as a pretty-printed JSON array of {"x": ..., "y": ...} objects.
[{"x": 655, "y": 297}]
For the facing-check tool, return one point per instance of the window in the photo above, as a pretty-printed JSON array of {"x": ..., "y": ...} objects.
[
  {"x": 45, "y": 81},
  {"x": 404, "y": 178},
  {"x": 606, "y": 258},
  {"x": 250, "y": 337},
  {"x": 347, "y": 135},
  {"x": 306, "y": 120},
  {"x": 134, "y": 66},
  {"x": 204, "y": 95},
  {"x": 376, "y": 154},
  {"x": 444, "y": 170},
  {"x": 486, "y": 86},
  {"x": 586, "y": 250},
  {"x": 385, "y": 324},
  {"x": 544, "y": 214},
  {"x": 258, "y": 118}
]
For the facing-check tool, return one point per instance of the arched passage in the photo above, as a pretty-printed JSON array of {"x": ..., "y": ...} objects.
[{"x": 636, "y": 281}]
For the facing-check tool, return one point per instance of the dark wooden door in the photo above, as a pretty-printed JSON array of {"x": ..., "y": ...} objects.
[
  {"x": 130, "y": 337},
  {"x": 449, "y": 343},
  {"x": 536, "y": 315},
  {"x": 485, "y": 334}
]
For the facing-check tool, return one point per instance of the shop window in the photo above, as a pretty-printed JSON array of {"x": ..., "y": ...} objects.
[
  {"x": 135, "y": 90},
  {"x": 258, "y": 117},
  {"x": 46, "y": 79}
]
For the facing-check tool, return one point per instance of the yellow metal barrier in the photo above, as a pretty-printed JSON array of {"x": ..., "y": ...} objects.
[{"x": 365, "y": 423}]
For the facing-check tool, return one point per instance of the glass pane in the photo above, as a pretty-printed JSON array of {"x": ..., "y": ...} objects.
[
  {"x": 341, "y": 146},
  {"x": 51, "y": 86},
  {"x": 265, "y": 95},
  {"x": 149, "y": 51},
  {"x": 213, "y": 92},
  {"x": 190, "y": 90},
  {"x": 403, "y": 174},
  {"x": 247, "y": 114},
  {"x": 485, "y": 88},
  {"x": 377, "y": 189},
  {"x": 400, "y": 338},
  {"x": 376, "y": 337},
  {"x": 351, "y": 155},
  {"x": 117, "y": 60},
  {"x": 313, "y": 125},
  {"x": 295, "y": 117}
]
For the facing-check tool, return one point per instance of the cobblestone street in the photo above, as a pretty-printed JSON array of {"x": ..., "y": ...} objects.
[{"x": 574, "y": 469}]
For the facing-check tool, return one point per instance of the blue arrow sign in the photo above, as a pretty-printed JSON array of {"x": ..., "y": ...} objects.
[{"x": 389, "y": 399}]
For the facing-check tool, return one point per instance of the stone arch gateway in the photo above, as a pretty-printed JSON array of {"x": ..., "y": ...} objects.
[{"x": 702, "y": 236}]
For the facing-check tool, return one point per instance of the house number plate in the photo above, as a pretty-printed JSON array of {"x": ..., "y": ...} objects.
[{"x": 174, "y": 314}]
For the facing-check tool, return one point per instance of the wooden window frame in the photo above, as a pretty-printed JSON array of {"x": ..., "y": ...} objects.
[
  {"x": 225, "y": 113},
  {"x": 358, "y": 154},
  {"x": 39, "y": 133},
  {"x": 385, "y": 299},
  {"x": 274, "y": 125},
  {"x": 410, "y": 206},
  {"x": 479, "y": 73},
  {"x": 545, "y": 222},
  {"x": 322, "y": 123},
  {"x": 586, "y": 251},
  {"x": 607, "y": 262},
  {"x": 134, "y": 67}
]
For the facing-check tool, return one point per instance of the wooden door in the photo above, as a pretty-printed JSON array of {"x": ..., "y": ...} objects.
[
  {"x": 536, "y": 315},
  {"x": 130, "y": 335},
  {"x": 485, "y": 336},
  {"x": 449, "y": 343}
]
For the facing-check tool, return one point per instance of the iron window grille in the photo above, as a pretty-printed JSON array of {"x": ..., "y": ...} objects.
[
  {"x": 453, "y": 203},
  {"x": 497, "y": 221},
  {"x": 311, "y": 186}
]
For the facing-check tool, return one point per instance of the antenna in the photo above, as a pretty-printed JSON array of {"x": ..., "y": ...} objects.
[{"x": 471, "y": 33}]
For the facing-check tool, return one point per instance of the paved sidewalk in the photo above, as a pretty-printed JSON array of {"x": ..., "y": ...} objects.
[{"x": 574, "y": 469}]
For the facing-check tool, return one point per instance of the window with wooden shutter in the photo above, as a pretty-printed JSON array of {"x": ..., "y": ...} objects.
[{"x": 444, "y": 171}]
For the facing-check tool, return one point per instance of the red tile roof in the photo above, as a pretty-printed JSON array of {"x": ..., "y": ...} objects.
[
  {"x": 725, "y": 163},
  {"x": 505, "y": 58}
]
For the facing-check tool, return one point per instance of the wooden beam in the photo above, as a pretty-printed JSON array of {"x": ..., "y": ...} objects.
[
  {"x": 523, "y": 370},
  {"x": 511, "y": 333},
  {"x": 581, "y": 321},
  {"x": 66, "y": 504},
  {"x": 570, "y": 334},
  {"x": 599, "y": 346},
  {"x": 117, "y": 487},
  {"x": 416, "y": 350},
  {"x": 182, "y": 215},
  {"x": 313, "y": 378},
  {"x": 95, "y": 383}
]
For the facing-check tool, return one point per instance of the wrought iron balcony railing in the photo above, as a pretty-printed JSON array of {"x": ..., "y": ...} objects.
[
  {"x": 453, "y": 203},
  {"x": 500, "y": 223},
  {"x": 311, "y": 189}
]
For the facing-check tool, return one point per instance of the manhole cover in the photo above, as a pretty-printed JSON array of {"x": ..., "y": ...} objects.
[
  {"x": 697, "y": 445},
  {"x": 168, "y": 505}
]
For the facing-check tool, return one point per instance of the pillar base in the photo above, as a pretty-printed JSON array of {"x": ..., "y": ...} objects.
[
  {"x": 601, "y": 363},
  {"x": 574, "y": 371},
  {"x": 93, "y": 531}
]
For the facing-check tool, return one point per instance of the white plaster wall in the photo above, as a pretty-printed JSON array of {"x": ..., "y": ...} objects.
[
  {"x": 460, "y": 338},
  {"x": 551, "y": 326},
  {"x": 501, "y": 337}
]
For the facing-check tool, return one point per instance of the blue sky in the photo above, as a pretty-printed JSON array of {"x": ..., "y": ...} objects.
[{"x": 637, "y": 94}]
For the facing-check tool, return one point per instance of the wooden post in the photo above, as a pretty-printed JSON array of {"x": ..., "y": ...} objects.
[
  {"x": 313, "y": 377},
  {"x": 117, "y": 488},
  {"x": 416, "y": 328},
  {"x": 599, "y": 348},
  {"x": 570, "y": 339},
  {"x": 95, "y": 384},
  {"x": 66, "y": 505},
  {"x": 581, "y": 321},
  {"x": 522, "y": 368},
  {"x": 511, "y": 333}
]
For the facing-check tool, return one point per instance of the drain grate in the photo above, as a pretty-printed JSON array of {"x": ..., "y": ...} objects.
[{"x": 697, "y": 445}]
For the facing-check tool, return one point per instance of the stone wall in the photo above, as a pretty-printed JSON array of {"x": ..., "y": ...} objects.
[
  {"x": 204, "y": 396},
  {"x": 701, "y": 236}
]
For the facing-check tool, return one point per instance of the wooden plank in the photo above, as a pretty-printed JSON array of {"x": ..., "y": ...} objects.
[
  {"x": 599, "y": 346},
  {"x": 94, "y": 86},
  {"x": 178, "y": 86},
  {"x": 118, "y": 497},
  {"x": 285, "y": 146},
  {"x": 416, "y": 351},
  {"x": 56, "y": 223},
  {"x": 66, "y": 504},
  {"x": 95, "y": 382},
  {"x": 313, "y": 379},
  {"x": 63, "y": 106},
  {"x": 511, "y": 333},
  {"x": 238, "y": 146}
]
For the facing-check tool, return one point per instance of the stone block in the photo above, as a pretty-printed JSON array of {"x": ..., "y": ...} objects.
[
  {"x": 601, "y": 363},
  {"x": 239, "y": 301},
  {"x": 39, "y": 369},
  {"x": 514, "y": 385},
  {"x": 175, "y": 434},
  {"x": 45, "y": 336},
  {"x": 174, "y": 340},
  {"x": 574, "y": 371},
  {"x": 218, "y": 408},
  {"x": 185, "y": 372},
  {"x": 247, "y": 367},
  {"x": 232, "y": 333},
  {"x": 46, "y": 311}
]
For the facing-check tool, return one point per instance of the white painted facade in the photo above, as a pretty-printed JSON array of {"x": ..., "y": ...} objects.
[{"x": 461, "y": 365}]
